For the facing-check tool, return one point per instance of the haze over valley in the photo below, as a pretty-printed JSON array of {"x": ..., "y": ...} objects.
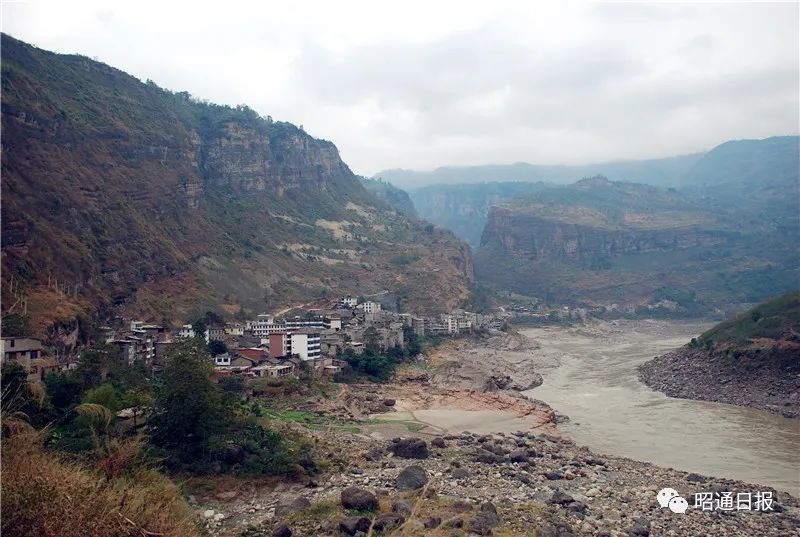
[{"x": 568, "y": 306}]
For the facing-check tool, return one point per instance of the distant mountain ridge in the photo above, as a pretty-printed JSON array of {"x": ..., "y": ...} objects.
[
  {"x": 651, "y": 171},
  {"x": 119, "y": 196},
  {"x": 691, "y": 250},
  {"x": 743, "y": 166}
]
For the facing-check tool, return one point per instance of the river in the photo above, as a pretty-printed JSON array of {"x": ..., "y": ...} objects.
[{"x": 595, "y": 383}]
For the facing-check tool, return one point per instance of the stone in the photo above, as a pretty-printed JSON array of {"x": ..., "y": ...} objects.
[
  {"x": 695, "y": 478},
  {"x": 411, "y": 478},
  {"x": 488, "y": 457},
  {"x": 459, "y": 473},
  {"x": 282, "y": 530},
  {"x": 438, "y": 442},
  {"x": 354, "y": 524},
  {"x": 359, "y": 498},
  {"x": 389, "y": 402},
  {"x": 402, "y": 507},
  {"x": 208, "y": 513},
  {"x": 388, "y": 522},
  {"x": 227, "y": 495},
  {"x": 640, "y": 528},
  {"x": 485, "y": 521},
  {"x": 373, "y": 454},
  {"x": 432, "y": 522},
  {"x": 288, "y": 507},
  {"x": 552, "y": 476},
  {"x": 518, "y": 455},
  {"x": 410, "y": 448},
  {"x": 560, "y": 498}
]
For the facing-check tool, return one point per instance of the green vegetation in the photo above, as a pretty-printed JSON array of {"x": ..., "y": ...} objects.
[{"x": 778, "y": 318}]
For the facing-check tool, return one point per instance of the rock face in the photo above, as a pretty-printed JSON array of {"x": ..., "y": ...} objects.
[
  {"x": 131, "y": 196},
  {"x": 604, "y": 242}
]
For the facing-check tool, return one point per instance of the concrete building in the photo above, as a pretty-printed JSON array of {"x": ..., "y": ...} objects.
[
  {"x": 334, "y": 322},
  {"x": 186, "y": 330},
  {"x": 349, "y": 302},
  {"x": 280, "y": 344},
  {"x": 370, "y": 307},
  {"x": 305, "y": 344},
  {"x": 25, "y": 351}
]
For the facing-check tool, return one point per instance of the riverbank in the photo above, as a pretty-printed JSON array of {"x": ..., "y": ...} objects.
[
  {"x": 699, "y": 374},
  {"x": 509, "y": 482}
]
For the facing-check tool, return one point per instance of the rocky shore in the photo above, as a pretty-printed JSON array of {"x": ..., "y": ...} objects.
[
  {"x": 699, "y": 374},
  {"x": 468, "y": 484},
  {"x": 384, "y": 479}
]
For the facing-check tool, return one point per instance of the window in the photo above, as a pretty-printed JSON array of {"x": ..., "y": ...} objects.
[{"x": 12, "y": 343}]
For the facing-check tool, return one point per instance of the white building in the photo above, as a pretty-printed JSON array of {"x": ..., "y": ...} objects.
[
  {"x": 370, "y": 307},
  {"x": 349, "y": 301},
  {"x": 234, "y": 329},
  {"x": 305, "y": 344},
  {"x": 186, "y": 331},
  {"x": 265, "y": 325}
]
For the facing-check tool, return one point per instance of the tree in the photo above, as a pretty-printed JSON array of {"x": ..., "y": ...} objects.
[
  {"x": 216, "y": 347},
  {"x": 189, "y": 409},
  {"x": 372, "y": 339},
  {"x": 106, "y": 395}
]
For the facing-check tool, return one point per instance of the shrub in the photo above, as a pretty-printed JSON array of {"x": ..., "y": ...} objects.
[{"x": 46, "y": 494}]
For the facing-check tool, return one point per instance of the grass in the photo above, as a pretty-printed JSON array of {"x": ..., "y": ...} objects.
[
  {"x": 309, "y": 420},
  {"x": 773, "y": 319},
  {"x": 46, "y": 494}
]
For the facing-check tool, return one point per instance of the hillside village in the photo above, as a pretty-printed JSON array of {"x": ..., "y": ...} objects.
[{"x": 267, "y": 346}]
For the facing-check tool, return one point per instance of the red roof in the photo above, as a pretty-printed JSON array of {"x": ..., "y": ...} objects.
[{"x": 253, "y": 354}]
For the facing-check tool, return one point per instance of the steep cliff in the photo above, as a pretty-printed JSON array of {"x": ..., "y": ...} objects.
[
  {"x": 396, "y": 198},
  {"x": 119, "y": 194},
  {"x": 600, "y": 242},
  {"x": 463, "y": 208}
]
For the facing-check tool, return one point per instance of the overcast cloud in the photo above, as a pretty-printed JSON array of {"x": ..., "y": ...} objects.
[{"x": 424, "y": 84}]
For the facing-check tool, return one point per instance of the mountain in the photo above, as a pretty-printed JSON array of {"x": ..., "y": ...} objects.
[
  {"x": 653, "y": 171},
  {"x": 600, "y": 242},
  {"x": 396, "y": 198},
  {"x": 750, "y": 360},
  {"x": 463, "y": 208},
  {"x": 120, "y": 196}
]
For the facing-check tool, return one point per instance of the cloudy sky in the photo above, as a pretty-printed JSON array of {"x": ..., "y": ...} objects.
[{"x": 424, "y": 84}]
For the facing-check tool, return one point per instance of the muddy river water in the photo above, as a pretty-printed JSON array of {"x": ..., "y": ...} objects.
[{"x": 592, "y": 379}]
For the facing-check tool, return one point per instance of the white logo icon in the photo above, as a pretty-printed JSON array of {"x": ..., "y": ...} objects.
[
  {"x": 678, "y": 505},
  {"x": 665, "y": 495},
  {"x": 670, "y": 498}
]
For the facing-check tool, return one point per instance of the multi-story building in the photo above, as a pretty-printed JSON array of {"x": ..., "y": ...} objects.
[
  {"x": 370, "y": 307},
  {"x": 215, "y": 332},
  {"x": 280, "y": 344},
  {"x": 136, "y": 346},
  {"x": 21, "y": 350},
  {"x": 349, "y": 301},
  {"x": 305, "y": 344},
  {"x": 234, "y": 329},
  {"x": 334, "y": 322},
  {"x": 186, "y": 330}
]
